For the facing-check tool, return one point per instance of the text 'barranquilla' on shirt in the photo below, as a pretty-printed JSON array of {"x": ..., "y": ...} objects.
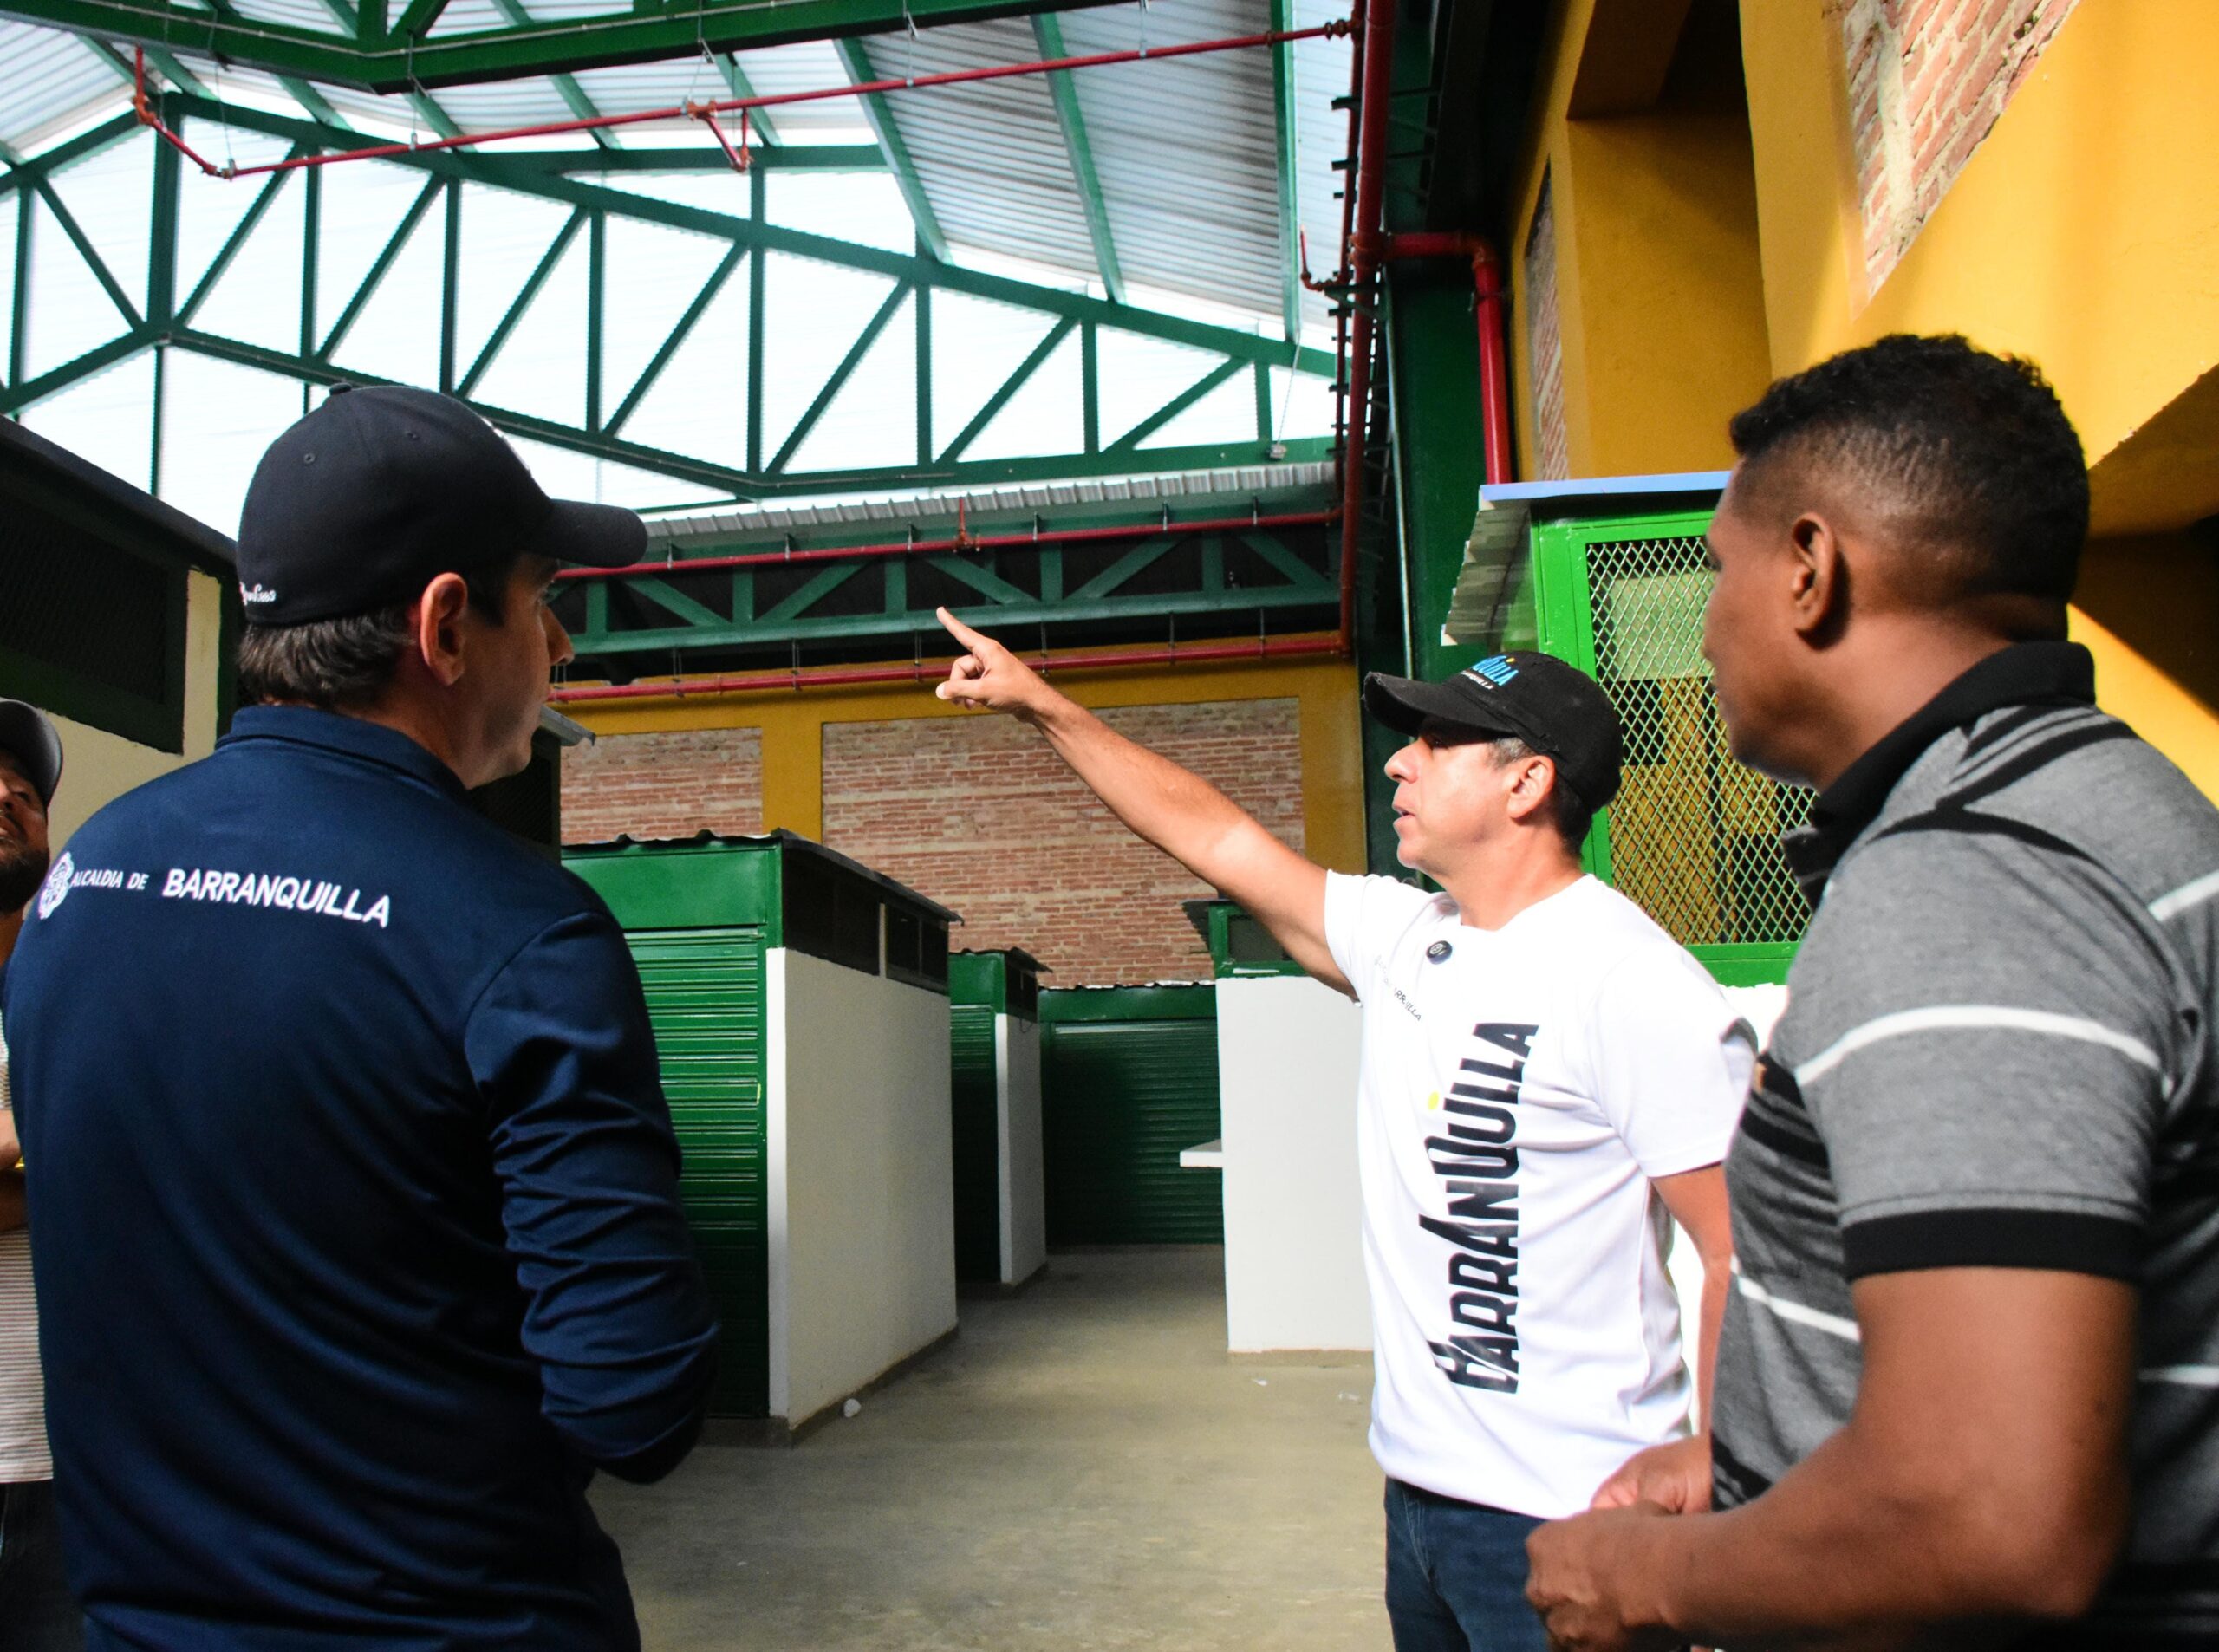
[{"x": 317, "y": 895}]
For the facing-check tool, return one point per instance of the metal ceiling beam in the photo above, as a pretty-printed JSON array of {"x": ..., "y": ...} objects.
[
  {"x": 520, "y": 171},
  {"x": 741, "y": 87},
  {"x": 1048, "y": 35},
  {"x": 397, "y": 57},
  {"x": 566, "y": 86},
  {"x": 169, "y": 325},
  {"x": 1282, "y": 109},
  {"x": 738, "y": 483},
  {"x": 857, "y": 61},
  {"x": 318, "y": 107},
  {"x": 175, "y": 72},
  {"x": 417, "y": 18},
  {"x": 348, "y": 17}
]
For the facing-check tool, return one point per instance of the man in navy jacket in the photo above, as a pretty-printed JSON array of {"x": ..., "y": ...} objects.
[{"x": 360, "y": 1245}]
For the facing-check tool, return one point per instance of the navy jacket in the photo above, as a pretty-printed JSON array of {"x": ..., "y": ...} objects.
[{"x": 355, "y": 1200}]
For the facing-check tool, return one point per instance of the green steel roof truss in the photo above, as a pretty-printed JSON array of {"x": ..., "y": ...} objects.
[
  {"x": 1048, "y": 34},
  {"x": 381, "y": 54},
  {"x": 170, "y": 320}
]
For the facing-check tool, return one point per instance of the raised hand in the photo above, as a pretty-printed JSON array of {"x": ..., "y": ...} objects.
[{"x": 990, "y": 677}]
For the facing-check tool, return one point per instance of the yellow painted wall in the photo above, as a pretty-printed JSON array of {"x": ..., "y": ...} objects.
[
  {"x": 2082, "y": 233},
  {"x": 793, "y": 732},
  {"x": 98, "y": 767},
  {"x": 1660, "y": 299}
]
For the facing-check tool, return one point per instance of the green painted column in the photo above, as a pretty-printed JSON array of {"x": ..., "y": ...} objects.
[{"x": 1433, "y": 493}]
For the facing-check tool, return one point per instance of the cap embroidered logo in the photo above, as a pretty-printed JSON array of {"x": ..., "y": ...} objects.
[
  {"x": 251, "y": 594},
  {"x": 1493, "y": 672}
]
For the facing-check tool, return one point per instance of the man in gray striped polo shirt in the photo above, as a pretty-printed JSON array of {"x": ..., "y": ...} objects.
[{"x": 1968, "y": 1386}]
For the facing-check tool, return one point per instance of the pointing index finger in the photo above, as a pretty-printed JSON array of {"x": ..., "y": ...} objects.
[{"x": 962, "y": 633}]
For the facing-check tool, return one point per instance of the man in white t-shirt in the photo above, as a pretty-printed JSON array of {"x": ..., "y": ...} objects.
[
  {"x": 37, "y": 1612},
  {"x": 1547, "y": 1077}
]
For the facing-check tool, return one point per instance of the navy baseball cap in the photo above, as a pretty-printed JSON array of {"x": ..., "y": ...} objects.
[
  {"x": 383, "y": 489},
  {"x": 27, "y": 735},
  {"x": 1556, "y": 709}
]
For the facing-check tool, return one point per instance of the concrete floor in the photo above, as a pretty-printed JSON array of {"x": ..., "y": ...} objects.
[{"x": 1082, "y": 1467}]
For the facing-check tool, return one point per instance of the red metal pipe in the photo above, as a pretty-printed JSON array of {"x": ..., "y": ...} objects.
[
  {"x": 919, "y": 672},
  {"x": 1494, "y": 371},
  {"x": 960, "y": 542},
  {"x": 1377, "y": 77},
  {"x": 148, "y": 116}
]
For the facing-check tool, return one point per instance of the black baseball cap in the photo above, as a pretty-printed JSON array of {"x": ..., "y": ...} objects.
[
  {"x": 1556, "y": 709},
  {"x": 383, "y": 489},
  {"x": 26, "y": 734}
]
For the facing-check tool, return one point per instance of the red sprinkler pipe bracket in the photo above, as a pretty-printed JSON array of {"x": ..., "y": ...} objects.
[{"x": 706, "y": 114}]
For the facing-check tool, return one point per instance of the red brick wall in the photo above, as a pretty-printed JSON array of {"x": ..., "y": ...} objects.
[
  {"x": 979, "y": 814},
  {"x": 1545, "y": 345},
  {"x": 663, "y": 785},
  {"x": 1928, "y": 80}
]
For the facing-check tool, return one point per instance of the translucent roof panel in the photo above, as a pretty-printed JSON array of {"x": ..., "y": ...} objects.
[
  {"x": 990, "y": 155},
  {"x": 805, "y": 65},
  {"x": 267, "y": 296},
  {"x": 1208, "y": 122},
  {"x": 1186, "y": 150},
  {"x": 1321, "y": 138},
  {"x": 50, "y": 81}
]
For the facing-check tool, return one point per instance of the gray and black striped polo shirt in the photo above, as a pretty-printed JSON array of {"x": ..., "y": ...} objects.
[{"x": 1998, "y": 1051}]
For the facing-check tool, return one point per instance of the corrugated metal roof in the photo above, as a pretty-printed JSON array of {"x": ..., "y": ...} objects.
[
  {"x": 294, "y": 13},
  {"x": 1186, "y": 149},
  {"x": 990, "y": 154},
  {"x": 50, "y": 81},
  {"x": 1240, "y": 483}
]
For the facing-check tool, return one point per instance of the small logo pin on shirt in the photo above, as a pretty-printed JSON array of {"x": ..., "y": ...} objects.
[{"x": 1439, "y": 950}]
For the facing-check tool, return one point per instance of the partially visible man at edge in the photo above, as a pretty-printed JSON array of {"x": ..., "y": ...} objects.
[
  {"x": 1543, "y": 1075},
  {"x": 36, "y": 1609},
  {"x": 360, "y": 1245},
  {"x": 1968, "y": 1390}
]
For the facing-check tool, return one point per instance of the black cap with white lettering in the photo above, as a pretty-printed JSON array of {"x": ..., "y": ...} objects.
[
  {"x": 380, "y": 490},
  {"x": 1556, "y": 709}
]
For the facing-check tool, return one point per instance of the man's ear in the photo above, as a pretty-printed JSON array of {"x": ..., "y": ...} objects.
[
  {"x": 1532, "y": 780},
  {"x": 1817, "y": 575},
  {"x": 439, "y": 627}
]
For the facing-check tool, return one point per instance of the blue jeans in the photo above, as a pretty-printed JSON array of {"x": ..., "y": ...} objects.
[
  {"x": 37, "y": 1613},
  {"x": 1456, "y": 1576}
]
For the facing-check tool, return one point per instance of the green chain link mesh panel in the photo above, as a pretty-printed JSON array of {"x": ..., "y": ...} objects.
[{"x": 1694, "y": 834}]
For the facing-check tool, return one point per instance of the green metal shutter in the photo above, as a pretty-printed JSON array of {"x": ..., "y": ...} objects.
[
  {"x": 705, "y": 997},
  {"x": 1119, "y": 1100},
  {"x": 1693, "y": 835},
  {"x": 978, "y": 1143}
]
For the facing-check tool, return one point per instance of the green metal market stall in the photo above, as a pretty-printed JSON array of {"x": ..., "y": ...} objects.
[{"x": 800, "y": 1009}]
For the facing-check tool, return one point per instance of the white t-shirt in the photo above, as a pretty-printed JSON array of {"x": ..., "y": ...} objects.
[{"x": 1518, "y": 1090}]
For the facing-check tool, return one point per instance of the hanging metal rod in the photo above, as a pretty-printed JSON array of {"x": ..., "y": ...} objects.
[{"x": 150, "y": 116}]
